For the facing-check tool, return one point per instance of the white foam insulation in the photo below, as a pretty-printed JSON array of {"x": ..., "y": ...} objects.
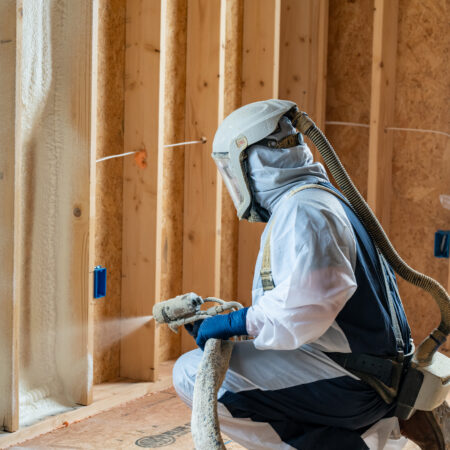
[
  {"x": 55, "y": 369},
  {"x": 7, "y": 113}
]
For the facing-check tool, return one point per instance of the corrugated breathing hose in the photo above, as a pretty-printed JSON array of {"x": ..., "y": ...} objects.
[{"x": 424, "y": 353}]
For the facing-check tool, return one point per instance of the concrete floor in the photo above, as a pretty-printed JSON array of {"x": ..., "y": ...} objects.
[{"x": 155, "y": 420}]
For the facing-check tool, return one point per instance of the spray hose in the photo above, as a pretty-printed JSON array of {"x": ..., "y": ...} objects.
[
  {"x": 185, "y": 309},
  {"x": 210, "y": 375},
  {"x": 424, "y": 353}
]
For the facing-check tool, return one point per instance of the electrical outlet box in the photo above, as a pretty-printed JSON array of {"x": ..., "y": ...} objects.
[
  {"x": 99, "y": 282},
  {"x": 442, "y": 244}
]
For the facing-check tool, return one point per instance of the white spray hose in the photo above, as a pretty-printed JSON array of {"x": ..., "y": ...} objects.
[
  {"x": 180, "y": 311},
  {"x": 210, "y": 375}
]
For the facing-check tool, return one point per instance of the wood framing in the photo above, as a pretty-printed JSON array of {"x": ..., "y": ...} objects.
[
  {"x": 204, "y": 103},
  {"x": 260, "y": 72},
  {"x": 384, "y": 49},
  {"x": 74, "y": 140},
  {"x": 303, "y": 55},
  {"x": 9, "y": 400},
  {"x": 232, "y": 100},
  {"x": 141, "y": 189},
  {"x": 87, "y": 317}
]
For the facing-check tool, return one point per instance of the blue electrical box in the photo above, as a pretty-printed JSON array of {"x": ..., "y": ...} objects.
[
  {"x": 99, "y": 282},
  {"x": 442, "y": 244}
]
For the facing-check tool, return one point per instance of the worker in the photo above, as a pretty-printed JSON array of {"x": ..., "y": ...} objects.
[{"x": 322, "y": 299}]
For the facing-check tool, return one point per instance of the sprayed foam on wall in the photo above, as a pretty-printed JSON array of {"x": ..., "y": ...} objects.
[
  {"x": 53, "y": 156},
  {"x": 7, "y": 110}
]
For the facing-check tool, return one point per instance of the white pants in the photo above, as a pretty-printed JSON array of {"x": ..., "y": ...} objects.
[{"x": 252, "y": 369}]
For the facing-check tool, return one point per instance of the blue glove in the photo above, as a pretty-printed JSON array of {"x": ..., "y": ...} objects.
[
  {"x": 222, "y": 326},
  {"x": 192, "y": 328}
]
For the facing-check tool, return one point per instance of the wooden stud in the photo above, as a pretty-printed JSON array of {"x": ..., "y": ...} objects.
[
  {"x": 320, "y": 53},
  {"x": 220, "y": 186},
  {"x": 384, "y": 50},
  {"x": 141, "y": 190},
  {"x": 204, "y": 103},
  {"x": 303, "y": 55},
  {"x": 9, "y": 326},
  {"x": 260, "y": 71},
  {"x": 12, "y": 419},
  {"x": 173, "y": 38},
  {"x": 87, "y": 341},
  {"x": 75, "y": 273},
  {"x": 232, "y": 100}
]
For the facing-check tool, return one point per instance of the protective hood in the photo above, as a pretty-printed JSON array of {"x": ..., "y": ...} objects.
[
  {"x": 274, "y": 172},
  {"x": 242, "y": 128}
]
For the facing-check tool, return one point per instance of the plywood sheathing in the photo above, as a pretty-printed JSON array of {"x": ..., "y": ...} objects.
[
  {"x": 421, "y": 162},
  {"x": 232, "y": 101},
  {"x": 108, "y": 227},
  {"x": 382, "y": 98},
  {"x": 348, "y": 83},
  {"x": 156, "y": 420},
  {"x": 173, "y": 167},
  {"x": 9, "y": 304}
]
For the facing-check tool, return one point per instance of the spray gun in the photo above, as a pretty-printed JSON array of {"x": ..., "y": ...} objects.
[{"x": 186, "y": 308}]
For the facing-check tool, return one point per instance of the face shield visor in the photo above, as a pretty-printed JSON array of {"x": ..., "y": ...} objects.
[
  {"x": 241, "y": 129},
  {"x": 231, "y": 182},
  {"x": 233, "y": 177}
]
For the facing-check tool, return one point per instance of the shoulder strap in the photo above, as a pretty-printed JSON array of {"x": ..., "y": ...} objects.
[
  {"x": 266, "y": 265},
  {"x": 389, "y": 281}
]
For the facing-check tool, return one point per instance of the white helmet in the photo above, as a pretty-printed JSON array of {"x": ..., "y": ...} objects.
[{"x": 244, "y": 127}]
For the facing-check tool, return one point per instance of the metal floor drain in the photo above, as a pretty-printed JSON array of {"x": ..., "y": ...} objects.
[{"x": 162, "y": 440}]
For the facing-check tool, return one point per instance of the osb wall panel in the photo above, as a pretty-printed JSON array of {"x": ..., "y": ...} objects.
[
  {"x": 232, "y": 100},
  {"x": 421, "y": 162},
  {"x": 173, "y": 167},
  {"x": 348, "y": 83},
  {"x": 108, "y": 229}
]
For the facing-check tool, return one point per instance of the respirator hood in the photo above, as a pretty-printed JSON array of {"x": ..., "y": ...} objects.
[{"x": 242, "y": 128}]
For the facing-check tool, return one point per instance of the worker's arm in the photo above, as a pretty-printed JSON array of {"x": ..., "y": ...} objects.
[{"x": 313, "y": 258}]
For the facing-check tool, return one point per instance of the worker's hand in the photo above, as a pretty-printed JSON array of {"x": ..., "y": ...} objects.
[
  {"x": 192, "y": 328},
  {"x": 222, "y": 326}
]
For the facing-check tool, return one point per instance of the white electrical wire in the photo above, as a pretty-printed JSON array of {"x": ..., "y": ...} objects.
[
  {"x": 178, "y": 144},
  {"x": 419, "y": 130},
  {"x": 202, "y": 141},
  {"x": 365, "y": 125},
  {"x": 116, "y": 156},
  {"x": 348, "y": 124}
]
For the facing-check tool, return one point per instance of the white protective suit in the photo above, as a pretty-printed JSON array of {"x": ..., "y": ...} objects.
[{"x": 313, "y": 256}]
